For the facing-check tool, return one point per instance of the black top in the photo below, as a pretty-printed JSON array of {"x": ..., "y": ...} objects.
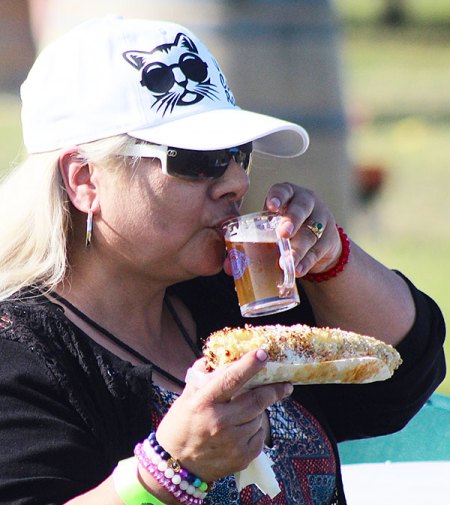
[{"x": 70, "y": 410}]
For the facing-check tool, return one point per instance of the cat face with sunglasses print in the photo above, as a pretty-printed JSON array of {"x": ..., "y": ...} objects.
[{"x": 185, "y": 81}]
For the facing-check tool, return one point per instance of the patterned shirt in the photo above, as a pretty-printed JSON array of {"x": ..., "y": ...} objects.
[{"x": 304, "y": 461}]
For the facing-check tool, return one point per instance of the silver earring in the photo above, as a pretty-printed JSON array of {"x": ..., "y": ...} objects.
[{"x": 89, "y": 228}]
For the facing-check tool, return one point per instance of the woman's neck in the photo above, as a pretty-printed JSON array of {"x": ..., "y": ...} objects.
[
  {"x": 127, "y": 304},
  {"x": 176, "y": 331}
]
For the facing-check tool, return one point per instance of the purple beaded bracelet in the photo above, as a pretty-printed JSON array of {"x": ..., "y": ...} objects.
[
  {"x": 182, "y": 495},
  {"x": 186, "y": 481},
  {"x": 174, "y": 464}
]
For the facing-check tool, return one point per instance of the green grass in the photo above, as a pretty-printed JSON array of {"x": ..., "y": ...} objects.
[
  {"x": 10, "y": 136},
  {"x": 397, "y": 95},
  {"x": 408, "y": 226},
  {"x": 418, "y": 11}
]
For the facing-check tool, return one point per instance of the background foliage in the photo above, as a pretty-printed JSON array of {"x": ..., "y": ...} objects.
[{"x": 397, "y": 85}]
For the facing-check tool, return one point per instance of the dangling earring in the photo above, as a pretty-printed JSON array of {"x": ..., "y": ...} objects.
[{"x": 89, "y": 228}]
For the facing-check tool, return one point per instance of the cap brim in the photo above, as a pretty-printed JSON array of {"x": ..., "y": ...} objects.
[{"x": 223, "y": 128}]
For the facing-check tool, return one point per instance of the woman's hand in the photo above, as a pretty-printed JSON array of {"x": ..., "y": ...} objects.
[
  {"x": 341, "y": 301},
  {"x": 218, "y": 429},
  {"x": 300, "y": 208}
]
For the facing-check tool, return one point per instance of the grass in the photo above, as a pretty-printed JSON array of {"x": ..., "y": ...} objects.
[
  {"x": 408, "y": 226},
  {"x": 418, "y": 11},
  {"x": 10, "y": 136},
  {"x": 398, "y": 102}
]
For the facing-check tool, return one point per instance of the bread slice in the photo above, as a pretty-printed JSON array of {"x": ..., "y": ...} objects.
[{"x": 302, "y": 354}]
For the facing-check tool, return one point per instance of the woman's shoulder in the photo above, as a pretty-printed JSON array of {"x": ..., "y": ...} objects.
[
  {"x": 33, "y": 330},
  {"x": 38, "y": 342},
  {"x": 24, "y": 316},
  {"x": 31, "y": 356},
  {"x": 32, "y": 320},
  {"x": 40, "y": 327},
  {"x": 37, "y": 330}
]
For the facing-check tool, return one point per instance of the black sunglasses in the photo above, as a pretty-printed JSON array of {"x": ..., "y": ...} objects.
[
  {"x": 192, "y": 164},
  {"x": 159, "y": 77}
]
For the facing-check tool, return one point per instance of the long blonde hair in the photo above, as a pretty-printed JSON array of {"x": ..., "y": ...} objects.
[{"x": 35, "y": 217}]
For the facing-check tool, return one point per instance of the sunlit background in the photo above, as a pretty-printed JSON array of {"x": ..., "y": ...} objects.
[{"x": 369, "y": 80}]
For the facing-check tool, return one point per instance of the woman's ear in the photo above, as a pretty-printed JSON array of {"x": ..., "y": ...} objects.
[{"x": 78, "y": 179}]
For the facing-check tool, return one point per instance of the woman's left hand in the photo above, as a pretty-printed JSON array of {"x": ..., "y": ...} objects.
[{"x": 309, "y": 224}]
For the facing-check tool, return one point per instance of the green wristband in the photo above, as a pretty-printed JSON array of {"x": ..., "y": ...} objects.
[{"x": 128, "y": 486}]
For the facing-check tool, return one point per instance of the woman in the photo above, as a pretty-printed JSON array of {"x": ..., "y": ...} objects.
[{"x": 112, "y": 274}]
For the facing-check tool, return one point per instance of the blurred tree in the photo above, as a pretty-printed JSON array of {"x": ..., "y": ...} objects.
[
  {"x": 394, "y": 13},
  {"x": 16, "y": 45}
]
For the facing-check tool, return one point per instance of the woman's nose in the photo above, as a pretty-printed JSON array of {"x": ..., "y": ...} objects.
[{"x": 234, "y": 183}]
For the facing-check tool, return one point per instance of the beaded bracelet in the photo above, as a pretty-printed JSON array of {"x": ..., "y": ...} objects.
[
  {"x": 173, "y": 464},
  {"x": 185, "y": 486},
  {"x": 184, "y": 494},
  {"x": 340, "y": 265}
]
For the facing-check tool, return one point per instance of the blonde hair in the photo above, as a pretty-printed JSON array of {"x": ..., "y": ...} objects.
[{"x": 35, "y": 217}]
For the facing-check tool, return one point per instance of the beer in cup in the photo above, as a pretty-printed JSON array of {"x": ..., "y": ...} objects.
[{"x": 256, "y": 252}]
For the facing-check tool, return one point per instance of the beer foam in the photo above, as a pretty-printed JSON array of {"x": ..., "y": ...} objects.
[{"x": 252, "y": 235}]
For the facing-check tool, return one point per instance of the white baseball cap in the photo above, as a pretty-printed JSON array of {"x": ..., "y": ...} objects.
[{"x": 153, "y": 80}]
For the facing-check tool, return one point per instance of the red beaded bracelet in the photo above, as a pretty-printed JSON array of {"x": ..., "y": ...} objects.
[{"x": 340, "y": 265}]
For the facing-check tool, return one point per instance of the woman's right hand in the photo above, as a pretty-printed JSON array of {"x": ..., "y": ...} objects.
[{"x": 218, "y": 429}]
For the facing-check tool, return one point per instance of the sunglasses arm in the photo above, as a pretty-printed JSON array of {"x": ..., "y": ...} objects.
[{"x": 149, "y": 151}]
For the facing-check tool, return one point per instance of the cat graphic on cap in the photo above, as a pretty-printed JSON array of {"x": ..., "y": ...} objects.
[{"x": 186, "y": 81}]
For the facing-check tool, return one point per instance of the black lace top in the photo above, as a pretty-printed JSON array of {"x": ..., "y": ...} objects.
[{"x": 70, "y": 410}]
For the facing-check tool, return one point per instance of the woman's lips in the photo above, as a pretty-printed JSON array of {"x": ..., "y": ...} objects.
[
  {"x": 220, "y": 224},
  {"x": 219, "y": 227}
]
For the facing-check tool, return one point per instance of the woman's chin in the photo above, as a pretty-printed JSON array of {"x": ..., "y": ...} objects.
[
  {"x": 227, "y": 266},
  {"x": 210, "y": 264}
]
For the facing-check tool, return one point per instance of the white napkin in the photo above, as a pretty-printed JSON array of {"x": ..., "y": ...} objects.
[{"x": 259, "y": 471}]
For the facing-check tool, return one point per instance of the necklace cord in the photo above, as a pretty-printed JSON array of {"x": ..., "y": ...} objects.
[
  {"x": 181, "y": 327},
  {"x": 125, "y": 346}
]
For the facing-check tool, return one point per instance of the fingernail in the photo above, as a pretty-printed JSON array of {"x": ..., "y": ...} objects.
[
  {"x": 289, "y": 227},
  {"x": 288, "y": 390},
  {"x": 275, "y": 202},
  {"x": 261, "y": 355}
]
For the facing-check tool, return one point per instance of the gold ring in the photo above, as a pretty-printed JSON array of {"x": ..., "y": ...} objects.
[{"x": 317, "y": 228}]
